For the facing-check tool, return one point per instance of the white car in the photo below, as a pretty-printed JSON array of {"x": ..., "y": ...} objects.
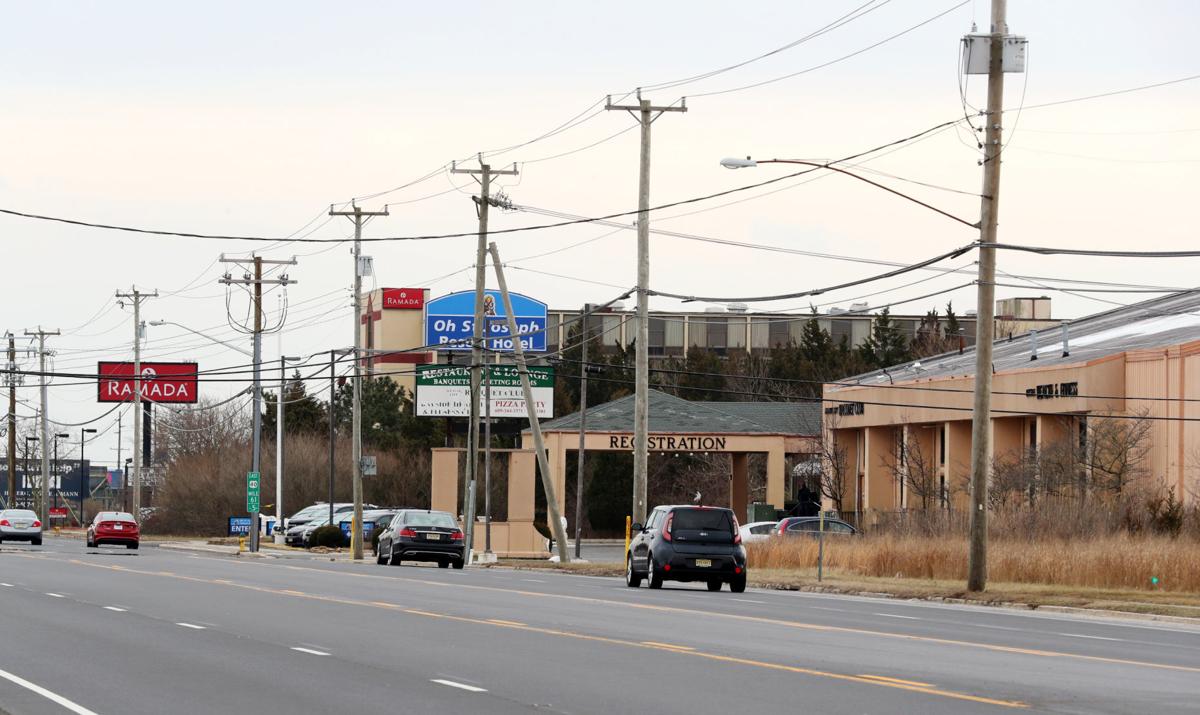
[
  {"x": 20, "y": 525},
  {"x": 757, "y": 531}
]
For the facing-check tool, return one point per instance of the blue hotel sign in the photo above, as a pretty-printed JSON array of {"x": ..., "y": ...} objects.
[{"x": 450, "y": 322}]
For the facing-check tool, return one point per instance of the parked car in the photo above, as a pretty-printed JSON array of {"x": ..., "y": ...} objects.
[
  {"x": 687, "y": 543},
  {"x": 299, "y": 534},
  {"x": 811, "y": 525},
  {"x": 113, "y": 527},
  {"x": 757, "y": 531},
  {"x": 309, "y": 513},
  {"x": 20, "y": 525},
  {"x": 421, "y": 535}
]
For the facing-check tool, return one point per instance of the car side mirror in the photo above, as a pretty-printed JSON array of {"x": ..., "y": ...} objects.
[{"x": 635, "y": 528}]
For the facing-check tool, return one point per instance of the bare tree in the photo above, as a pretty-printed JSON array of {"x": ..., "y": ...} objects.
[
  {"x": 1116, "y": 452},
  {"x": 914, "y": 465},
  {"x": 836, "y": 472}
]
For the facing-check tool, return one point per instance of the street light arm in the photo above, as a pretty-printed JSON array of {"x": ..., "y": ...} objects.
[
  {"x": 231, "y": 346},
  {"x": 738, "y": 164}
]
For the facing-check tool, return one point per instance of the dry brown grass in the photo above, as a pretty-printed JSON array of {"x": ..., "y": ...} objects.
[{"x": 1111, "y": 562}]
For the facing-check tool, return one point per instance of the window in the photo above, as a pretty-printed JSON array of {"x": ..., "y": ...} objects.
[
  {"x": 779, "y": 333},
  {"x": 658, "y": 336},
  {"x": 552, "y": 323},
  {"x": 796, "y": 330},
  {"x": 737, "y": 333},
  {"x": 655, "y": 517},
  {"x": 762, "y": 528},
  {"x": 717, "y": 330},
  {"x": 429, "y": 518},
  {"x": 806, "y": 525},
  {"x": 702, "y": 520},
  {"x": 759, "y": 333},
  {"x": 674, "y": 332},
  {"x": 611, "y": 327},
  {"x": 839, "y": 330},
  {"x": 837, "y": 527},
  {"x": 697, "y": 334}
]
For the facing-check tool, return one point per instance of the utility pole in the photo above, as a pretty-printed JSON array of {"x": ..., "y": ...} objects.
[
  {"x": 359, "y": 217},
  {"x": 11, "y": 379},
  {"x": 985, "y": 324},
  {"x": 256, "y": 279},
  {"x": 478, "y": 331},
  {"x": 332, "y": 397},
  {"x": 556, "y": 525},
  {"x": 487, "y": 463},
  {"x": 137, "y": 297},
  {"x": 584, "y": 369},
  {"x": 645, "y": 113},
  {"x": 43, "y": 511}
]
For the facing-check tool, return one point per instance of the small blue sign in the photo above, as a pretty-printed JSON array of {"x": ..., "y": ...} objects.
[
  {"x": 240, "y": 525},
  {"x": 450, "y": 322},
  {"x": 368, "y": 529}
]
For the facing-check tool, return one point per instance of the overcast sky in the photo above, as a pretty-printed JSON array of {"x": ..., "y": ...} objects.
[{"x": 252, "y": 118}]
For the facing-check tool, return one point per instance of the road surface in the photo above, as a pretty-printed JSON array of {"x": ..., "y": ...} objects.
[{"x": 112, "y": 631}]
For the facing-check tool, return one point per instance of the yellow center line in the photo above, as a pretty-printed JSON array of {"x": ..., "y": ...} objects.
[
  {"x": 663, "y": 647},
  {"x": 667, "y": 645},
  {"x": 502, "y": 622},
  {"x": 689, "y": 611},
  {"x": 897, "y": 680}
]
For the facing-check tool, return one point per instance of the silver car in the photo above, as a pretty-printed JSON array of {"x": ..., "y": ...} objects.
[{"x": 20, "y": 525}]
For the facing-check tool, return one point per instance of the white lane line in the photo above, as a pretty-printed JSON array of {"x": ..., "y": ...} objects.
[
  {"x": 54, "y": 595},
  {"x": 893, "y": 615},
  {"x": 460, "y": 686},
  {"x": 747, "y": 600},
  {"x": 827, "y": 608},
  {"x": 6, "y": 585},
  {"x": 533, "y": 580},
  {"x": 114, "y": 608},
  {"x": 191, "y": 625},
  {"x": 52, "y": 697},
  {"x": 1095, "y": 638},
  {"x": 984, "y": 625},
  {"x": 310, "y": 651}
]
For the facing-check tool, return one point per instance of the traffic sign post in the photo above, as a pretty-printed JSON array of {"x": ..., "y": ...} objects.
[{"x": 253, "y": 486}]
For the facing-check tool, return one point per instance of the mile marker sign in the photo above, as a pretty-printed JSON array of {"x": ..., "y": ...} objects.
[{"x": 252, "y": 491}]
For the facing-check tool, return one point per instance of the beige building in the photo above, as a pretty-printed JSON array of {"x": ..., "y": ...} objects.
[
  {"x": 1128, "y": 373},
  {"x": 393, "y": 319}
]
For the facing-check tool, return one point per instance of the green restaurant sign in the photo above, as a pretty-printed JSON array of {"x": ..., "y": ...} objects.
[{"x": 445, "y": 391}]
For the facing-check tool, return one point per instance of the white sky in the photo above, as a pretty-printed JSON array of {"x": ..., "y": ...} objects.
[{"x": 251, "y": 118}]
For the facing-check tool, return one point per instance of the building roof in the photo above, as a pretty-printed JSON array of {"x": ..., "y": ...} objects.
[
  {"x": 676, "y": 415},
  {"x": 1169, "y": 320}
]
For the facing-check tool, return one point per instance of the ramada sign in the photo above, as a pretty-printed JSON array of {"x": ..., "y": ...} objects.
[
  {"x": 161, "y": 382},
  {"x": 403, "y": 298}
]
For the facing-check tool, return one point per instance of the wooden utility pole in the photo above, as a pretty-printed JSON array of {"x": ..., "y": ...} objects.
[
  {"x": 361, "y": 268},
  {"x": 256, "y": 280},
  {"x": 137, "y": 297},
  {"x": 552, "y": 513},
  {"x": 985, "y": 305},
  {"x": 11, "y": 379},
  {"x": 645, "y": 113},
  {"x": 478, "y": 332}
]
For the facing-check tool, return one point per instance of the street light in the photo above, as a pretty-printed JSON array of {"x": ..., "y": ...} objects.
[
  {"x": 279, "y": 534},
  {"x": 231, "y": 346},
  {"x": 58, "y": 466},
  {"x": 29, "y": 439},
  {"x": 125, "y": 480},
  {"x": 748, "y": 163},
  {"x": 85, "y": 485}
]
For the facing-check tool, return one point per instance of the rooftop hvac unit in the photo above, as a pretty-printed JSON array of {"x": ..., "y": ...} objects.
[
  {"x": 714, "y": 309},
  {"x": 835, "y": 310},
  {"x": 971, "y": 313},
  {"x": 737, "y": 307},
  {"x": 859, "y": 307}
]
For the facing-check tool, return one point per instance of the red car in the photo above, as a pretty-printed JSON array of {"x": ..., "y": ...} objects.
[{"x": 113, "y": 527}]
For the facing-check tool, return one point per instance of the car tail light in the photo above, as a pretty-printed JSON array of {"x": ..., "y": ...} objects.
[
  {"x": 4, "y": 522},
  {"x": 666, "y": 531},
  {"x": 37, "y": 524},
  {"x": 408, "y": 532},
  {"x": 737, "y": 569},
  {"x": 737, "y": 532},
  {"x": 666, "y": 567},
  {"x": 456, "y": 536}
]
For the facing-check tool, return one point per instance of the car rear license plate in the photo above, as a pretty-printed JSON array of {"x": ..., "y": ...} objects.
[
  {"x": 118, "y": 527},
  {"x": 703, "y": 563},
  {"x": 433, "y": 537},
  {"x": 21, "y": 524}
]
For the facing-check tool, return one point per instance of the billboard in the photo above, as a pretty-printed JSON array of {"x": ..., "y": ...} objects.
[
  {"x": 445, "y": 391},
  {"x": 403, "y": 298},
  {"x": 67, "y": 480},
  {"x": 450, "y": 322},
  {"x": 161, "y": 382}
]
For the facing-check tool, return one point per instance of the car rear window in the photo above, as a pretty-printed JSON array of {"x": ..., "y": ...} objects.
[
  {"x": 435, "y": 518},
  {"x": 18, "y": 514},
  {"x": 702, "y": 520}
]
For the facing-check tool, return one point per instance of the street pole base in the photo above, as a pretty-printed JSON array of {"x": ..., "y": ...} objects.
[
  {"x": 279, "y": 539},
  {"x": 483, "y": 557}
]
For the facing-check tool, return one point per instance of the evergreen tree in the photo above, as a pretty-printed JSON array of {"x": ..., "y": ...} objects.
[
  {"x": 815, "y": 344},
  {"x": 885, "y": 346},
  {"x": 952, "y": 327},
  {"x": 302, "y": 413}
]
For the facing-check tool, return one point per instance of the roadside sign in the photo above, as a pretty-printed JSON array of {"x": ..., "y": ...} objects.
[
  {"x": 370, "y": 466},
  {"x": 450, "y": 321},
  {"x": 252, "y": 491},
  {"x": 239, "y": 525},
  {"x": 368, "y": 529},
  {"x": 445, "y": 391}
]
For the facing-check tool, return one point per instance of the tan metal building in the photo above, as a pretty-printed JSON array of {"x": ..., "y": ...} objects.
[{"x": 1050, "y": 390}]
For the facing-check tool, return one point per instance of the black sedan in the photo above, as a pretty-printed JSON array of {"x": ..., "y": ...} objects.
[
  {"x": 421, "y": 535},
  {"x": 687, "y": 543}
]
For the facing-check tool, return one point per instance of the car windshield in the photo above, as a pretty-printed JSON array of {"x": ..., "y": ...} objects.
[
  {"x": 702, "y": 520},
  {"x": 310, "y": 511},
  {"x": 429, "y": 518}
]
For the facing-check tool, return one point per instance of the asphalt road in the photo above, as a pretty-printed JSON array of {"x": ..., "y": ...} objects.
[{"x": 159, "y": 631}]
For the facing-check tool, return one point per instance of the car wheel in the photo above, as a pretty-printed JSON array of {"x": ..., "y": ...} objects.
[
  {"x": 714, "y": 584},
  {"x": 91, "y": 544},
  {"x": 738, "y": 584},
  {"x": 379, "y": 559},
  {"x": 457, "y": 563},
  {"x": 652, "y": 575},
  {"x": 128, "y": 546},
  {"x": 632, "y": 579},
  {"x": 443, "y": 564},
  {"x": 392, "y": 559}
]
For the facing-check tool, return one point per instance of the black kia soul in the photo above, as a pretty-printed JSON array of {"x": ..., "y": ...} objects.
[{"x": 687, "y": 543}]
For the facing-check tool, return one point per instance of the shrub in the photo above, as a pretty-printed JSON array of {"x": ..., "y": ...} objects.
[{"x": 329, "y": 535}]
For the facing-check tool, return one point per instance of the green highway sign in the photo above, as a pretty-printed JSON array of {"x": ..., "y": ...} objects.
[{"x": 253, "y": 483}]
